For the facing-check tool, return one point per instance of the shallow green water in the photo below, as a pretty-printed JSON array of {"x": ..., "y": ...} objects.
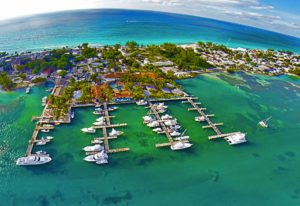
[{"x": 264, "y": 171}]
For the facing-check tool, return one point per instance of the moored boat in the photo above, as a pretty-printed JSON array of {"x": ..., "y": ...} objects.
[
  {"x": 89, "y": 130},
  {"x": 180, "y": 145},
  {"x": 264, "y": 123},
  {"x": 100, "y": 156},
  {"x": 237, "y": 138},
  {"x": 115, "y": 133},
  {"x": 36, "y": 159},
  {"x": 141, "y": 102},
  {"x": 94, "y": 148},
  {"x": 27, "y": 90},
  {"x": 200, "y": 119}
]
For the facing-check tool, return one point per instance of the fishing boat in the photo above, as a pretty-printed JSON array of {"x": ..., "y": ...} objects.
[
  {"x": 35, "y": 159},
  {"x": 200, "y": 119},
  {"x": 27, "y": 90},
  {"x": 264, "y": 123},
  {"x": 89, "y": 130},
  {"x": 237, "y": 138},
  {"x": 180, "y": 145},
  {"x": 94, "y": 148},
  {"x": 141, "y": 102},
  {"x": 115, "y": 133}
]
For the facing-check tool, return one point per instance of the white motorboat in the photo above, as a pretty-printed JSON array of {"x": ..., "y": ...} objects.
[
  {"x": 264, "y": 123},
  {"x": 48, "y": 138},
  {"x": 100, "y": 119},
  {"x": 102, "y": 161},
  {"x": 160, "y": 111},
  {"x": 115, "y": 133},
  {"x": 175, "y": 127},
  {"x": 174, "y": 134},
  {"x": 89, "y": 130},
  {"x": 99, "y": 109},
  {"x": 44, "y": 101},
  {"x": 112, "y": 108},
  {"x": 237, "y": 138},
  {"x": 94, "y": 148},
  {"x": 100, "y": 156},
  {"x": 182, "y": 138},
  {"x": 97, "y": 112},
  {"x": 158, "y": 130},
  {"x": 171, "y": 122},
  {"x": 42, "y": 153},
  {"x": 99, "y": 123},
  {"x": 45, "y": 130},
  {"x": 153, "y": 124},
  {"x": 72, "y": 115},
  {"x": 147, "y": 119},
  {"x": 200, "y": 119},
  {"x": 166, "y": 117},
  {"x": 97, "y": 141},
  {"x": 160, "y": 106},
  {"x": 141, "y": 102},
  {"x": 41, "y": 142},
  {"x": 27, "y": 90},
  {"x": 180, "y": 145},
  {"x": 33, "y": 160}
]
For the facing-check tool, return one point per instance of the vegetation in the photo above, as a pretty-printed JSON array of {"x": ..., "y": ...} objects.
[
  {"x": 39, "y": 80},
  {"x": 5, "y": 81}
]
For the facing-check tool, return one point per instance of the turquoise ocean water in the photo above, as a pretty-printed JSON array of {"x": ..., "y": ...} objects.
[
  {"x": 102, "y": 27},
  {"x": 265, "y": 171}
]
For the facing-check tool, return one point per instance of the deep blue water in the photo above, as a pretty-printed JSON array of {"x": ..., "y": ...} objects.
[{"x": 105, "y": 27}]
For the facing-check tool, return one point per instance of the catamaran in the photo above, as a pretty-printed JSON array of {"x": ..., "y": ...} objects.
[
  {"x": 36, "y": 159},
  {"x": 89, "y": 130},
  {"x": 264, "y": 123}
]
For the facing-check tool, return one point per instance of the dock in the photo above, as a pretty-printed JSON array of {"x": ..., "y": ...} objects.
[{"x": 104, "y": 128}]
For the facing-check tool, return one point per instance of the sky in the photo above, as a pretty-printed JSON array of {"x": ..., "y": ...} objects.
[{"x": 277, "y": 15}]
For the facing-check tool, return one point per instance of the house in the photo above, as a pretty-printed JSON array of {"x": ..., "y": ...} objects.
[{"x": 177, "y": 92}]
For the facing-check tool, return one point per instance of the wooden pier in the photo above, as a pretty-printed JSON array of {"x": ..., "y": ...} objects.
[{"x": 104, "y": 128}]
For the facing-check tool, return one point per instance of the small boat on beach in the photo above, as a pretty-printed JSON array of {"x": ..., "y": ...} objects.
[
  {"x": 89, "y": 130},
  {"x": 141, "y": 102},
  {"x": 264, "y": 123},
  {"x": 94, "y": 148}
]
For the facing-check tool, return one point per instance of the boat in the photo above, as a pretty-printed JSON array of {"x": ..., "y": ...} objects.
[
  {"x": 180, "y": 145},
  {"x": 97, "y": 141},
  {"x": 171, "y": 122},
  {"x": 44, "y": 101},
  {"x": 89, "y": 130},
  {"x": 158, "y": 130},
  {"x": 200, "y": 119},
  {"x": 56, "y": 123},
  {"x": 102, "y": 161},
  {"x": 174, "y": 134},
  {"x": 141, "y": 102},
  {"x": 264, "y": 123},
  {"x": 112, "y": 108},
  {"x": 97, "y": 112},
  {"x": 41, "y": 142},
  {"x": 94, "y": 148},
  {"x": 33, "y": 160},
  {"x": 98, "y": 109},
  {"x": 153, "y": 124},
  {"x": 99, "y": 123},
  {"x": 45, "y": 130},
  {"x": 160, "y": 106},
  {"x": 100, "y": 119},
  {"x": 175, "y": 127},
  {"x": 115, "y": 133},
  {"x": 166, "y": 117},
  {"x": 100, "y": 156},
  {"x": 182, "y": 138},
  {"x": 147, "y": 119},
  {"x": 72, "y": 115},
  {"x": 160, "y": 111},
  {"x": 237, "y": 138},
  {"x": 41, "y": 152},
  {"x": 27, "y": 90},
  {"x": 49, "y": 138}
]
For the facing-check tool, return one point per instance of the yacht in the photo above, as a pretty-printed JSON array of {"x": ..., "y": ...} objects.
[
  {"x": 115, "y": 133},
  {"x": 33, "y": 160},
  {"x": 180, "y": 145},
  {"x": 44, "y": 101},
  {"x": 147, "y": 119},
  {"x": 171, "y": 122},
  {"x": 100, "y": 156},
  {"x": 264, "y": 123},
  {"x": 182, "y": 138},
  {"x": 89, "y": 130},
  {"x": 174, "y": 134},
  {"x": 97, "y": 141},
  {"x": 166, "y": 117},
  {"x": 99, "y": 123},
  {"x": 158, "y": 130},
  {"x": 141, "y": 102},
  {"x": 153, "y": 124},
  {"x": 200, "y": 119},
  {"x": 27, "y": 90},
  {"x": 237, "y": 138},
  {"x": 94, "y": 148}
]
